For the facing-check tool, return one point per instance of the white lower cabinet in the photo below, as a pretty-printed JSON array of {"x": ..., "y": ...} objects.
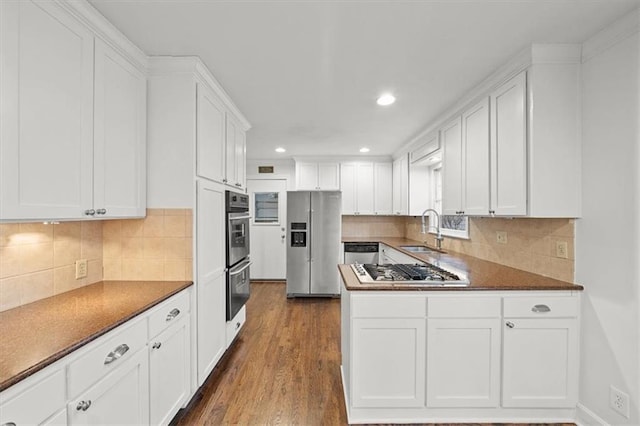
[
  {"x": 445, "y": 356},
  {"x": 120, "y": 378},
  {"x": 388, "y": 362},
  {"x": 169, "y": 372},
  {"x": 122, "y": 397}
]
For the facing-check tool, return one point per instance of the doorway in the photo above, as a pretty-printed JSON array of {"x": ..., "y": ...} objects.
[{"x": 268, "y": 209}]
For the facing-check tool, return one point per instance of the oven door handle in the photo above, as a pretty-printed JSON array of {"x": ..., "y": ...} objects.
[
  {"x": 239, "y": 270},
  {"x": 239, "y": 217}
]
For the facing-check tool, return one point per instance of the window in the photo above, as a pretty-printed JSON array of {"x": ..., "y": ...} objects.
[
  {"x": 451, "y": 225},
  {"x": 266, "y": 207}
]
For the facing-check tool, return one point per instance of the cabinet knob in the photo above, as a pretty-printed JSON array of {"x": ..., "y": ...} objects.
[
  {"x": 237, "y": 325},
  {"x": 89, "y": 212},
  {"x": 101, "y": 211},
  {"x": 83, "y": 405},
  {"x": 156, "y": 345},
  {"x": 510, "y": 324},
  {"x": 224, "y": 181}
]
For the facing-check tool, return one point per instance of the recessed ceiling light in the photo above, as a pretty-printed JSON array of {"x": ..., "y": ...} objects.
[
  {"x": 280, "y": 149},
  {"x": 386, "y": 99},
  {"x": 364, "y": 149}
]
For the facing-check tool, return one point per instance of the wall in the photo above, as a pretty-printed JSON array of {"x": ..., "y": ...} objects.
[
  {"x": 38, "y": 261},
  {"x": 607, "y": 235},
  {"x": 158, "y": 247},
  {"x": 531, "y": 243},
  {"x": 374, "y": 226}
]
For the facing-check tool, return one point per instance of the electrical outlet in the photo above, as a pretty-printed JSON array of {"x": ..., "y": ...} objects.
[
  {"x": 562, "y": 249},
  {"x": 81, "y": 268},
  {"x": 501, "y": 237},
  {"x": 619, "y": 401}
]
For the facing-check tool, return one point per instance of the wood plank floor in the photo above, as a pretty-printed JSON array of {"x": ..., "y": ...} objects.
[{"x": 284, "y": 367}]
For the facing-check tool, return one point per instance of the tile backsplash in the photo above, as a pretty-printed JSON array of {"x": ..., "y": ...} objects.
[
  {"x": 38, "y": 261},
  {"x": 531, "y": 243},
  {"x": 378, "y": 226},
  {"x": 158, "y": 247}
]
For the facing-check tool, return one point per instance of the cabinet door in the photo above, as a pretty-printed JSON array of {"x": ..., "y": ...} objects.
[
  {"x": 169, "y": 367},
  {"x": 509, "y": 148},
  {"x": 452, "y": 167},
  {"x": 329, "y": 176},
  {"x": 365, "y": 188},
  {"x": 241, "y": 155},
  {"x": 46, "y": 125},
  {"x": 475, "y": 135},
  {"x": 540, "y": 363},
  {"x": 210, "y": 135},
  {"x": 382, "y": 188},
  {"x": 306, "y": 176},
  {"x": 230, "y": 149},
  {"x": 348, "y": 186},
  {"x": 388, "y": 368},
  {"x": 211, "y": 279},
  {"x": 463, "y": 362},
  {"x": 119, "y": 135},
  {"x": 400, "y": 200},
  {"x": 36, "y": 403},
  {"x": 121, "y": 397}
]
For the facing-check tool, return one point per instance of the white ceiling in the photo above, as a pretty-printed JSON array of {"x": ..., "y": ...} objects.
[{"x": 306, "y": 73}]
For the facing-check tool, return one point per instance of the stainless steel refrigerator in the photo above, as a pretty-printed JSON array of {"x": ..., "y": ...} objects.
[{"x": 313, "y": 243}]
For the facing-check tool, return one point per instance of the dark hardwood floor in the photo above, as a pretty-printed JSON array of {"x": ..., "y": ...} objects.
[{"x": 284, "y": 367}]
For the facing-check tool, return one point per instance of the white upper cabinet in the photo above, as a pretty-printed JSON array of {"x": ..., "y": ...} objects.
[
  {"x": 475, "y": 154},
  {"x": 452, "y": 167},
  {"x": 400, "y": 191},
  {"x": 120, "y": 128},
  {"x": 235, "y": 154},
  {"x": 509, "y": 148},
  {"x": 210, "y": 135},
  {"x": 47, "y": 112},
  {"x": 72, "y": 140},
  {"x": 311, "y": 176},
  {"x": 366, "y": 188}
]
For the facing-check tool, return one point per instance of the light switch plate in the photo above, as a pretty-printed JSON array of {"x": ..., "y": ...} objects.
[
  {"x": 81, "y": 268},
  {"x": 562, "y": 249},
  {"x": 501, "y": 237}
]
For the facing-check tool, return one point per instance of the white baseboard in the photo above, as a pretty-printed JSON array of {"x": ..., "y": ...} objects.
[{"x": 586, "y": 417}]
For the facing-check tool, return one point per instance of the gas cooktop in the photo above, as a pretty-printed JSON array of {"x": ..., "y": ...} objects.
[{"x": 417, "y": 274}]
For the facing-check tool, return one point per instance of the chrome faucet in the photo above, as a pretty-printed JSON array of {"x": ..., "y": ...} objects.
[{"x": 439, "y": 236}]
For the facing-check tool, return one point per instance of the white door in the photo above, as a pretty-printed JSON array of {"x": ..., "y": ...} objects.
[{"x": 268, "y": 208}]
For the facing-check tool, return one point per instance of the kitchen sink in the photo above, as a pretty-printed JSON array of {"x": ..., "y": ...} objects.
[{"x": 421, "y": 249}]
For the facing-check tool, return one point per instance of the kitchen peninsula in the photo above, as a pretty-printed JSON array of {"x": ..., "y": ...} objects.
[{"x": 502, "y": 349}]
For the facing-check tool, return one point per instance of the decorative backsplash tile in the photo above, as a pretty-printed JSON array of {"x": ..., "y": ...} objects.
[{"x": 38, "y": 261}]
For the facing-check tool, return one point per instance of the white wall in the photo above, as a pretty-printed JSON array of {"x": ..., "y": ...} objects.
[
  {"x": 608, "y": 234},
  {"x": 284, "y": 168}
]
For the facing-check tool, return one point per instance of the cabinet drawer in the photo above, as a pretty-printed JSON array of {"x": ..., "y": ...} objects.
[
  {"x": 234, "y": 326},
  {"x": 37, "y": 403},
  {"x": 388, "y": 306},
  {"x": 464, "y": 307},
  {"x": 107, "y": 354},
  {"x": 541, "y": 306},
  {"x": 168, "y": 313}
]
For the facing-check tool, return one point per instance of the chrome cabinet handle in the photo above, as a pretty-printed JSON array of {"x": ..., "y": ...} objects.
[
  {"x": 224, "y": 181},
  {"x": 174, "y": 313},
  {"x": 237, "y": 325},
  {"x": 101, "y": 211},
  {"x": 89, "y": 212},
  {"x": 156, "y": 345},
  {"x": 83, "y": 405},
  {"x": 510, "y": 324},
  {"x": 539, "y": 309},
  {"x": 9, "y": 424},
  {"x": 238, "y": 185},
  {"x": 116, "y": 353}
]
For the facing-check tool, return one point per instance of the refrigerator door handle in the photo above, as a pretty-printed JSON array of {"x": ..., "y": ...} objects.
[{"x": 309, "y": 236}]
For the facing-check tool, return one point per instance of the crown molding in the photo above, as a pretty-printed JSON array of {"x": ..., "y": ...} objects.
[
  {"x": 621, "y": 29},
  {"x": 162, "y": 66},
  {"x": 343, "y": 159},
  {"x": 102, "y": 28}
]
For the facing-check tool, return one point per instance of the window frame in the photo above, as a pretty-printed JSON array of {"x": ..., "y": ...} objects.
[{"x": 435, "y": 174}]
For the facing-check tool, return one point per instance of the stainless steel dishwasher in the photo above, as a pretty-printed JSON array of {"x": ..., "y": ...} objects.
[{"x": 364, "y": 253}]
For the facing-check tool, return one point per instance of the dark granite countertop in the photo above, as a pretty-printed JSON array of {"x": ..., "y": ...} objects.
[
  {"x": 482, "y": 274},
  {"x": 40, "y": 333}
]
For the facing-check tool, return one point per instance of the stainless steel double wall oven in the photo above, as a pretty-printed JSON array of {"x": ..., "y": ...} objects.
[{"x": 238, "y": 261}]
